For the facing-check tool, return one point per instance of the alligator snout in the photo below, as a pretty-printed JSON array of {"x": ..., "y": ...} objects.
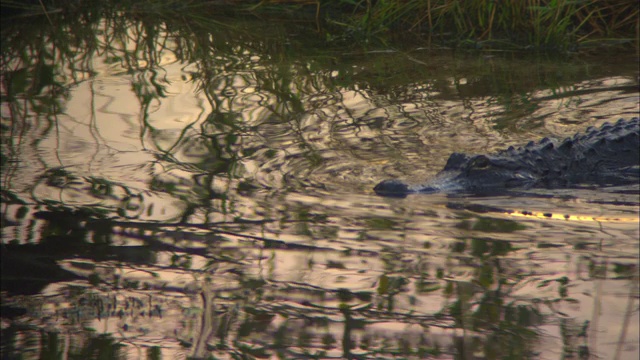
[
  {"x": 397, "y": 188},
  {"x": 392, "y": 188}
]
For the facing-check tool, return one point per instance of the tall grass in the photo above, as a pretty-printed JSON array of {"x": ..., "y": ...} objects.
[
  {"x": 540, "y": 24},
  {"x": 555, "y": 24},
  {"x": 537, "y": 23}
]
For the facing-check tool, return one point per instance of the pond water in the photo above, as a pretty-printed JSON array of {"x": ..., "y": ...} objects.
[{"x": 168, "y": 194}]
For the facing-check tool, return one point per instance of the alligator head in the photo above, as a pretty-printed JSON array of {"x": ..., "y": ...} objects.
[
  {"x": 607, "y": 156},
  {"x": 464, "y": 173}
]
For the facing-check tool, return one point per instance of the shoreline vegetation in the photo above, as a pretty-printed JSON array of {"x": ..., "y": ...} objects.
[{"x": 541, "y": 25}]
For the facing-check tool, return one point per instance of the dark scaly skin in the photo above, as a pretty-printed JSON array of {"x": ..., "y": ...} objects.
[{"x": 605, "y": 156}]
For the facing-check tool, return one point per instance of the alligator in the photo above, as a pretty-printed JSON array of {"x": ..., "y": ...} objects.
[{"x": 605, "y": 156}]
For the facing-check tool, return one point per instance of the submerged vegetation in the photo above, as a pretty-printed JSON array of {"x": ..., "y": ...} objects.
[{"x": 556, "y": 25}]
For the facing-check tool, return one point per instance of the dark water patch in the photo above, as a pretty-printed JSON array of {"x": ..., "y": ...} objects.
[{"x": 491, "y": 225}]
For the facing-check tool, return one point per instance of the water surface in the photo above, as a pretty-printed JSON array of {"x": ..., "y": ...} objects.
[{"x": 209, "y": 195}]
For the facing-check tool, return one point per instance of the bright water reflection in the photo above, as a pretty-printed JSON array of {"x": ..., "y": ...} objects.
[{"x": 211, "y": 197}]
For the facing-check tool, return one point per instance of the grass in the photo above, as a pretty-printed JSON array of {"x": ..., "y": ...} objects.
[
  {"x": 495, "y": 24},
  {"x": 539, "y": 24}
]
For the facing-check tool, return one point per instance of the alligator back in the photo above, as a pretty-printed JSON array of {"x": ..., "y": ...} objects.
[
  {"x": 605, "y": 156},
  {"x": 608, "y": 155}
]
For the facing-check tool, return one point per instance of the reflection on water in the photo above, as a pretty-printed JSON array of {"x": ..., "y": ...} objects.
[{"x": 210, "y": 196}]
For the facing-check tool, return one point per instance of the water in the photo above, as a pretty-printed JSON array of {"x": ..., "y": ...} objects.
[{"x": 212, "y": 198}]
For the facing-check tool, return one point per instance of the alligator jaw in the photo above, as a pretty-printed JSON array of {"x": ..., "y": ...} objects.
[{"x": 451, "y": 181}]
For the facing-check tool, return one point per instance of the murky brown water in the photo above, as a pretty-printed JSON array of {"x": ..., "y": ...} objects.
[{"x": 214, "y": 200}]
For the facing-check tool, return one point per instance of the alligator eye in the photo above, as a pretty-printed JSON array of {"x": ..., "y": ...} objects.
[{"x": 480, "y": 162}]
